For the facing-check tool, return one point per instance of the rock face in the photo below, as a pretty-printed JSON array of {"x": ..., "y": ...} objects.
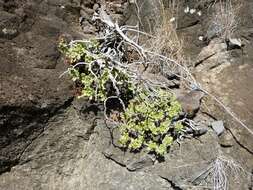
[
  {"x": 30, "y": 89},
  {"x": 50, "y": 141},
  {"x": 62, "y": 158},
  {"x": 226, "y": 71}
]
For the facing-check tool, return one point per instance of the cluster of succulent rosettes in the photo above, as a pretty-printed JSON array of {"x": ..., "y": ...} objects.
[
  {"x": 94, "y": 75},
  {"x": 151, "y": 123}
]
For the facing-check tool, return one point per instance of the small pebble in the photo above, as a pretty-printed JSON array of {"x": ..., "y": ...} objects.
[{"x": 218, "y": 127}]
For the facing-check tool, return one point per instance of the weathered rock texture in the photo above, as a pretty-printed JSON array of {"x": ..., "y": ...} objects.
[
  {"x": 49, "y": 141},
  {"x": 64, "y": 157},
  {"x": 30, "y": 89}
]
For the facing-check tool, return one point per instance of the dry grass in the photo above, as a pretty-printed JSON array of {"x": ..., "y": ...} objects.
[
  {"x": 221, "y": 171},
  {"x": 225, "y": 19},
  {"x": 166, "y": 41}
]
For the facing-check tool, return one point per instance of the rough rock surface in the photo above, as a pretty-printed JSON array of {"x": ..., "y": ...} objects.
[
  {"x": 30, "y": 89},
  {"x": 227, "y": 74},
  {"x": 49, "y": 141},
  {"x": 62, "y": 158}
]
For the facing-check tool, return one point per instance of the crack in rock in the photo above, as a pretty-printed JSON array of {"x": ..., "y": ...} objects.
[
  {"x": 173, "y": 184},
  {"x": 109, "y": 157}
]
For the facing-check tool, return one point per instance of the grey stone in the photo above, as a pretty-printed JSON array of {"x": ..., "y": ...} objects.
[
  {"x": 226, "y": 139},
  {"x": 218, "y": 127},
  {"x": 212, "y": 56},
  {"x": 190, "y": 102},
  {"x": 146, "y": 160},
  {"x": 60, "y": 159},
  {"x": 184, "y": 162},
  {"x": 30, "y": 65}
]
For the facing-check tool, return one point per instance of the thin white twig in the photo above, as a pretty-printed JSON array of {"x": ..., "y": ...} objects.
[
  {"x": 72, "y": 67},
  {"x": 228, "y": 111}
]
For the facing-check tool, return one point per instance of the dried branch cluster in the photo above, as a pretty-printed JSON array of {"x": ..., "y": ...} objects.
[
  {"x": 220, "y": 171},
  {"x": 142, "y": 59},
  {"x": 134, "y": 60}
]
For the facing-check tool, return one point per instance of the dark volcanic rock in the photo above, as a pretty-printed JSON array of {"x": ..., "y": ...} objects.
[
  {"x": 62, "y": 159},
  {"x": 48, "y": 143},
  {"x": 30, "y": 89}
]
